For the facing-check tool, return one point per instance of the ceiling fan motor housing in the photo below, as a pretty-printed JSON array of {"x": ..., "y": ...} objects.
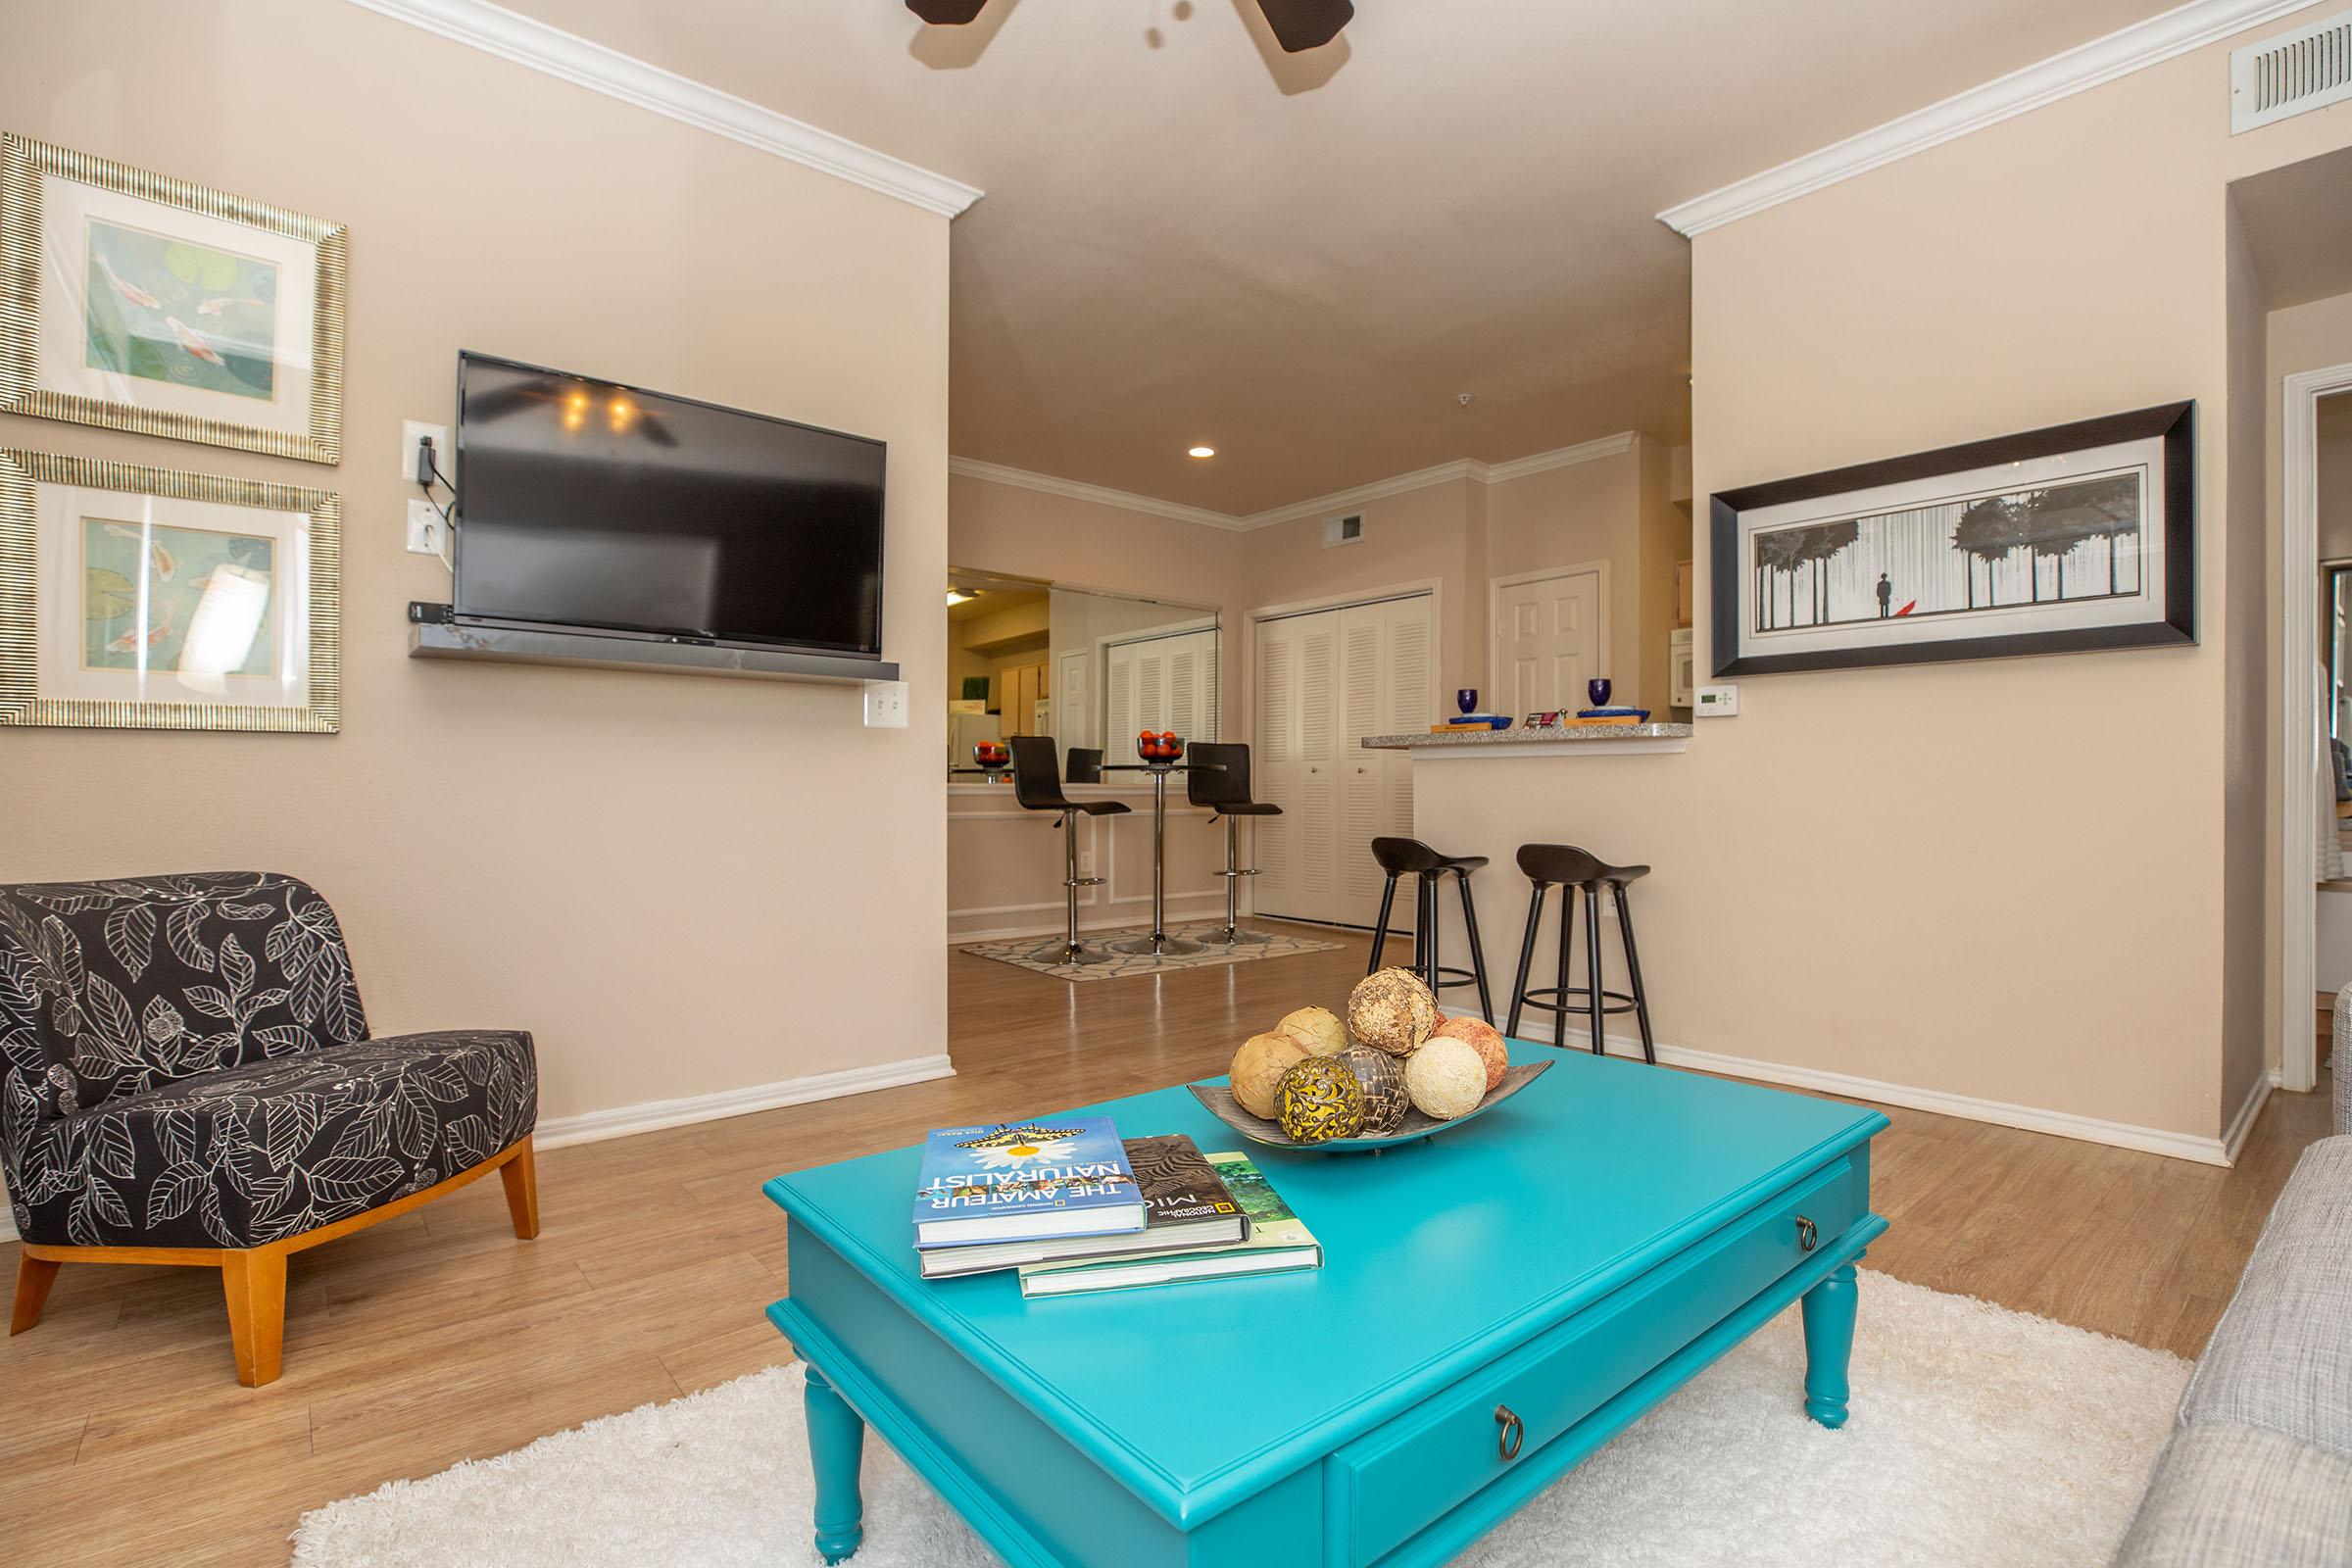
[{"x": 1299, "y": 24}]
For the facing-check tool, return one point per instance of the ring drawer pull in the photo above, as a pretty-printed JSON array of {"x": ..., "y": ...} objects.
[
  {"x": 1807, "y": 1238},
  {"x": 1514, "y": 1433}
]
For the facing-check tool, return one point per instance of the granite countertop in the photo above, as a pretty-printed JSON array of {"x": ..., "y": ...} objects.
[{"x": 1578, "y": 735}]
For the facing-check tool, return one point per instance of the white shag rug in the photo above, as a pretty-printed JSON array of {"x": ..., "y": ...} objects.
[{"x": 1978, "y": 1436}]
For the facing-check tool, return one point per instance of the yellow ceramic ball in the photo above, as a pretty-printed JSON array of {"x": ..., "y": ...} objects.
[
  {"x": 1318, "y": 1099},
  {"x": 1446, "y": 1078},
  {"x": 1317, "y": 1030},
  {"x": 1483, "y": 1037},
  {"x": 1392, "y": 1012},
  {"x": 1257, "y": 1070}
]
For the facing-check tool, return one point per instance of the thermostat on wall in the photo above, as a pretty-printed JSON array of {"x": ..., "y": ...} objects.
[{"x": 1716, "y": 701}]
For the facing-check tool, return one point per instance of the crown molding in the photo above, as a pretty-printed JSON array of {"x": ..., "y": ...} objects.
[
  {"x": 2062, "y": 75},
  {"x": 1356, "y": 496},
  {"x": 1100, "y": 495},
  {"x": 496, "y": 30},
  {"x": 1607, "y": 445}
]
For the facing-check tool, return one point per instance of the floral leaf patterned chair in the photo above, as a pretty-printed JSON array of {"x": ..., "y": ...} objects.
[{"x": 186, "y": 1077}]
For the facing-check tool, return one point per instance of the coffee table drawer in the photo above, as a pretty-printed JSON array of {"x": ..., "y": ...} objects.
[{"x": 1386, "y": 1487}]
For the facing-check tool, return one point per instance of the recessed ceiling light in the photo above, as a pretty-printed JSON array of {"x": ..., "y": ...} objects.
[
  {"x": 1203, "y": 451},
  {"x": 959, "y": 596}
]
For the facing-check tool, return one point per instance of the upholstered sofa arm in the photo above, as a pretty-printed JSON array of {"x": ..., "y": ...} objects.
[{"x": 2343, "y": 1081}]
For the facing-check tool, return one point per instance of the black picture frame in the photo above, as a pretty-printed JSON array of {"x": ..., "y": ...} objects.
[{"x": 2174, "y": 423}]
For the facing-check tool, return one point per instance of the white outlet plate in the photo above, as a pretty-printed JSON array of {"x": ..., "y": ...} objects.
[
  {"x": 1716, "y": 701},
  {"x": 427, "y": 533},
  {"x": 413, "y": 431},
  {"x": 885, "y": 705},
  {"x": 1085, "y": 863}
]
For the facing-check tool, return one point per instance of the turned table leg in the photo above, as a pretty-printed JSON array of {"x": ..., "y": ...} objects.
[
  {"x": 1828, "y": 1311},
  {"x": 836, "y": 1446}
]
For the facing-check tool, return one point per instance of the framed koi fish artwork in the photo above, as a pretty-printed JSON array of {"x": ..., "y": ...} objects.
[
  {"x": 145, "y": 599},
  {"x": 142, "y": 303}
]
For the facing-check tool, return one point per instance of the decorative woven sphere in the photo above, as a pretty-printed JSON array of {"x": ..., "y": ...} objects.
[
  {"x": 1382, "y": 1079},
  {"x": 1319, "y": 1099},
  {"x": 1446, "y": 1078},
  {"x": 1483, "y": 1037},
  {"x": 1392, "y": 1012},
  {"x": 1257, "y": 1070},
  {"x": 1317, "y": 1030}
]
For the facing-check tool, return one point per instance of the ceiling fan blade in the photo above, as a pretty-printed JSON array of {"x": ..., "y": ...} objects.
[
  {"x": 1302, "y": 24},
  {"x": 945, "y": 13}
]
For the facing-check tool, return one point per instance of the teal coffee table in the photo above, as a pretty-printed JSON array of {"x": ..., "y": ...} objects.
[{"x": 1493, "y": 1305}]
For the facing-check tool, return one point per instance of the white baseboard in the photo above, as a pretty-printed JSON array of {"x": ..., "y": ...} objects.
[
  {"x": 655, "y": 1114},
  {"x": 652, "y": 1115},
  {"x": 2233, "y": 1137},
  {"x": 1969, "y": 1107}
]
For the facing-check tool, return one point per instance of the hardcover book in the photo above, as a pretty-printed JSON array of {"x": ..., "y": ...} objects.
[
  {"x": 1024, "y": 1181},
  {"x": 1278, "y": 1243},
  {"x": 1186, "y": 1207}
]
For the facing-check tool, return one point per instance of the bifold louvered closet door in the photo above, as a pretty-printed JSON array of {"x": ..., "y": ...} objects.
[{"x": 1323, "y": 681}]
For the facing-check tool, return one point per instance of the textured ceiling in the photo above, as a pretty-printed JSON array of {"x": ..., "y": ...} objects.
[{"x": 1301, "y": 259}]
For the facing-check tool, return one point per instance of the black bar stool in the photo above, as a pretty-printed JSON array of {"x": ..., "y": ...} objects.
[
  {"x": 1414, "y": 859},
  {"x": 1227, "y": 796},
  {"x": 1575, "y": 871},
  {"x": 1037, "y": 787}
]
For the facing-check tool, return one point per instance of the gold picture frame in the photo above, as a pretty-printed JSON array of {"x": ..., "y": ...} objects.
[
  {"x": 227, "y": 593},
  {"x": 137, "y": 301}
]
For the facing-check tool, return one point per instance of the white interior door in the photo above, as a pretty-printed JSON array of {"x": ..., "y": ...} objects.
[
  {"x": 1072, "y": 692},
  {"x": 1548, "y": 641},
  {"x": 1274, "y": 767},
  {"x": 1323, "y": 682}
]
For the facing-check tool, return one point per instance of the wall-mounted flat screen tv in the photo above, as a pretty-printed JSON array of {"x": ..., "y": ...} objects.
[{"x": 585, "y": 503}]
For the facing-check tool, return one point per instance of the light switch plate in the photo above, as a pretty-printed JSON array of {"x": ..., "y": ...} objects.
[
  {"x": 427, "y": 533},
  {"x": 413, "y": 431},
  {"x": 1717, "y": 702},
  {"x": 885, "y": 705}
]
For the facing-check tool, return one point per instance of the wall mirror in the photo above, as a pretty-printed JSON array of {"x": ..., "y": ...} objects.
[{"x": 1027, "y": 657}]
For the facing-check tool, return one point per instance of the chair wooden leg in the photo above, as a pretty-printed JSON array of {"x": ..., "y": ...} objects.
[
  {"x": 521, "y": 1177},
  {"x": 254, "y": 1281},
  {"x": 34, "y": 1276}
]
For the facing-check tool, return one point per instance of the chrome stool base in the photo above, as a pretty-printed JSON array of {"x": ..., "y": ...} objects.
[
  {"x": 1159, "y": 947},
  {"x": 1062, "y": 953}
]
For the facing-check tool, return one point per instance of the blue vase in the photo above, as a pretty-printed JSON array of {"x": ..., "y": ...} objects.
[
  {"x": 1598, "y": 691},
  {"x": 1466, "y": 698}
]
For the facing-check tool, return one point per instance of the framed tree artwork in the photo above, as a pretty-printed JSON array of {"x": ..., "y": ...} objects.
[
  {"x": 2080, "y": 536},
  {"x": 142, "y": 303},
  {"x": 138, "y": 598}
]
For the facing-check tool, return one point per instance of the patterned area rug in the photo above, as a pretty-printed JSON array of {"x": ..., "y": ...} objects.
[
  {"x": 1979, "y": 1439},
  {"x": 1281, "y": 942}
]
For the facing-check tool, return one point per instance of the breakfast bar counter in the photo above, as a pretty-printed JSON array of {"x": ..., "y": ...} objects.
[{"x": 1589, "y": 740}]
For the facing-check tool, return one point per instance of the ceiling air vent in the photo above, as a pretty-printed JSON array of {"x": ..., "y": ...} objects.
[
  {"x": 2281, "y": 78},
  {"x": 1343, "y": 530}
]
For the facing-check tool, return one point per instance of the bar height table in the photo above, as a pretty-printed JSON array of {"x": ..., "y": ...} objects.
[{"x": 1161, "y": 945}]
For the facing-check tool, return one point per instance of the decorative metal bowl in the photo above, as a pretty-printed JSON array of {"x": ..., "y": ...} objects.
[{"x": 1217, "y": 1098}]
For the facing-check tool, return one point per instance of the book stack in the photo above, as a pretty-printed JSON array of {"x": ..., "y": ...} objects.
[
  {"x": 1076, "y": 1209},
  {"x": 1604, "y": 717}
]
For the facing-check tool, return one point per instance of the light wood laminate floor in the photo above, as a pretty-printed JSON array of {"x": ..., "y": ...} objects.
[{"x": 437, "y": 1336}]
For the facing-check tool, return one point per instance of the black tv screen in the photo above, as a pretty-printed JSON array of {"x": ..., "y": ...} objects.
[{"x": 582, "y": 502}]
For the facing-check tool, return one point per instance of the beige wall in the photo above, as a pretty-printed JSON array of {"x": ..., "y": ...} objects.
[
  {"x": 2030, "y": 882},
  {"x": 680, "y": 885},
  {"x": 2248, "y": 996},
  {"x": 2004, "y": 880}
]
